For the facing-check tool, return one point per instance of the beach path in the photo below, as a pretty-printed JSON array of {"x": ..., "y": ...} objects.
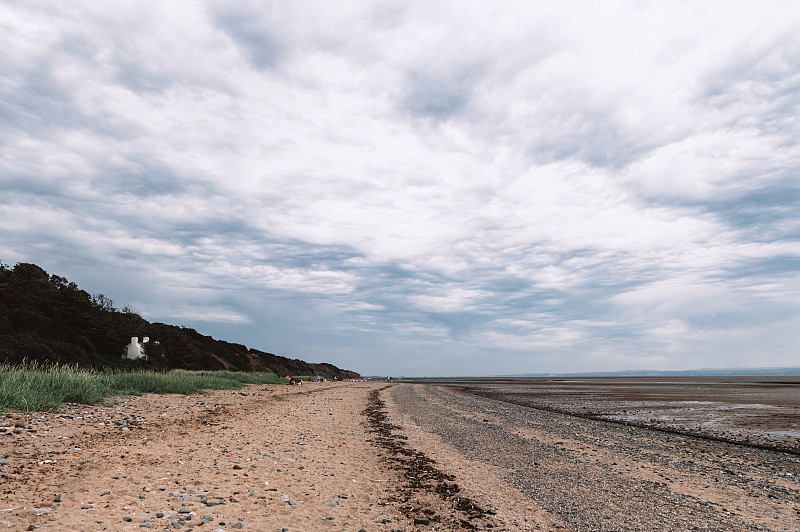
[{"x": 377, "y": 457}]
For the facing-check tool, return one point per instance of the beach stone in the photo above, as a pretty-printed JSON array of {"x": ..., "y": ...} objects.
[{"x": 421, "y": 521}]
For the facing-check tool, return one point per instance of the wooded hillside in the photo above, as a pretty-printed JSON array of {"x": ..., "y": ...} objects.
[{"x": 49, "y": 319}]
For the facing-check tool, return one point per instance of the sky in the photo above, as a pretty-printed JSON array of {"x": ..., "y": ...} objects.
[{"x": 418, "y": 187}]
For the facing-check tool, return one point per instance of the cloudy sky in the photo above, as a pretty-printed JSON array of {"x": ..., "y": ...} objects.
[{"x": 418, "y": 188}]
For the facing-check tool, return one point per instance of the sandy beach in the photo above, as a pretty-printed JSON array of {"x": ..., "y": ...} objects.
[{"x": 374, "y": 457}]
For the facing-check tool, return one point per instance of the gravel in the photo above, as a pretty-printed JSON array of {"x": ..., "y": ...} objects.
[{"x": 595, "y": 475}]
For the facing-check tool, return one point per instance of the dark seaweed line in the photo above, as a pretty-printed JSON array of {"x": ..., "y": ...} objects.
[{"x": 421, "y": 474}]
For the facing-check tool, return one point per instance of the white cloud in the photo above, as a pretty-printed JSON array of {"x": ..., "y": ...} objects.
[{"x": 438, "y": 171}]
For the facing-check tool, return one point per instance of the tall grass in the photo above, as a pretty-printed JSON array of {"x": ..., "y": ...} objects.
[{"x": 38, "y": 387}]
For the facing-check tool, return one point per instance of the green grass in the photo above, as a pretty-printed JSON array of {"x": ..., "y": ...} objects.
[{"x": 34, "y": 387}]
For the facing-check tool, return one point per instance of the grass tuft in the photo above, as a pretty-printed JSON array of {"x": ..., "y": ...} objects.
[{"x": 35, "y": 387}]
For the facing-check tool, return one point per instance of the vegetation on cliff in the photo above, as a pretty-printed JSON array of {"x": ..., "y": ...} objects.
[{"x": 46, "y": 318}]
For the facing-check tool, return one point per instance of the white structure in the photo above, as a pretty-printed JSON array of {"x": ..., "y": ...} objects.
[{"x": 135, "y": 350}]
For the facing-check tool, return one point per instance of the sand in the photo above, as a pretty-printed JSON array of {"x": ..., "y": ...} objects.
[{"x": 346, "y": 456}]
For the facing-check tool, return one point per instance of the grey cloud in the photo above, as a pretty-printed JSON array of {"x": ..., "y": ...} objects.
[
  {"x": 766, "y": 214},
  {"x": 769, "y": 268},
  {"x": 253, "y": 35},
  {"x": 438, "y": 95},
  {"x": 138, "y": 77},
  {"x": 35, "y": 102},
  {"x": 141, "y": 177}
]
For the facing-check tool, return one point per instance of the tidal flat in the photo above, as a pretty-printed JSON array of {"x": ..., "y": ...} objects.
[{"x": 762, "y": 411}]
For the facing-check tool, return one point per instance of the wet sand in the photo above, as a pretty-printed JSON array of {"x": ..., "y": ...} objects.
[{"x": 762, "y": 411}]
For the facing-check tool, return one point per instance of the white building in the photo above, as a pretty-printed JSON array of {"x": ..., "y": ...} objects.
[{"x": 135, "y": 350}]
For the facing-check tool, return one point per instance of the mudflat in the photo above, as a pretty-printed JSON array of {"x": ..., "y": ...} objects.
[
  {"x": 760, "y": 410},
  {"x": 375, "y": 457}
]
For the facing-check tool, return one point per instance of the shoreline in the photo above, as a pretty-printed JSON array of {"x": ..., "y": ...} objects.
[{"x": 374, "y": 457}]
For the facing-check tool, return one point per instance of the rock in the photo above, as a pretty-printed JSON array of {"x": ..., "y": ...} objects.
[
  {"x": 237, "y": 525},
  {"x": 127, "y": 519},
  {"x": 421, "y": 521}
]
